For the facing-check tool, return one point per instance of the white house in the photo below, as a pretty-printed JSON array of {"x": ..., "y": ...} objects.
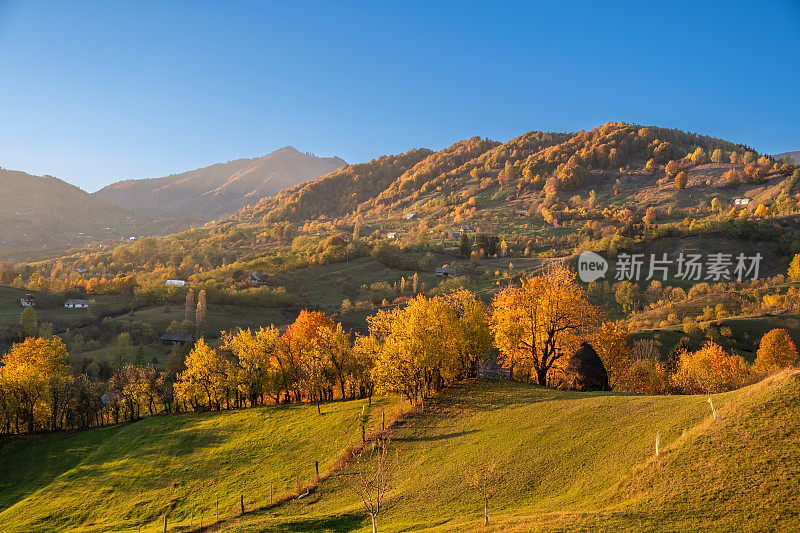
[
  {"x": 175, "y": 282},
  {"x": 409, "y": 216},
  {"x": 76, "y": 304},
  {"x": 28, "y": 301},
  {"x": 741, "y": 201},
  {"x": 391, "y": 235}
]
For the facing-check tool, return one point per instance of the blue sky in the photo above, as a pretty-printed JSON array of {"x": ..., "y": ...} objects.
[{"x": 92, "y": 92}]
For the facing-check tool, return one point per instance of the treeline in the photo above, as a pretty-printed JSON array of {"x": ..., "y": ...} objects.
[{"x": 414, "y": 350}]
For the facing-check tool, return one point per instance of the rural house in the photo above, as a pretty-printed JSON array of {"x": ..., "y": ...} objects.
[
  {"x": 76, "y": 304},
  {"x": 445, "y": 272},
  {"x": 467, "y": 228},
  {"x": 256, "y": 279},
  {"x": 409, "y": 216},
  {"x": 741, "y": 201},
  {"x": 175, "y": 282},
  {"x": 175, "y": 338},
  {"x": 391, "y": 235},
  {"x": 28, "y": 301}
]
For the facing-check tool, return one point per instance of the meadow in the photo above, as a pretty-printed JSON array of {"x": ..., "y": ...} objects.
[{"x": 569, "y": 461}]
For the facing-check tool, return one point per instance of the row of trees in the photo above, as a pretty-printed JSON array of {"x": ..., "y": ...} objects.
[{"x": 414, "y": 350}]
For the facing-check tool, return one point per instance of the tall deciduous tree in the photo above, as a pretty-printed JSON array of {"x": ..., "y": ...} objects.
[
  {"x": 189, "y": 309},
  {"x": 537, "y": 324},
  {"x": 200, "y": 314}
]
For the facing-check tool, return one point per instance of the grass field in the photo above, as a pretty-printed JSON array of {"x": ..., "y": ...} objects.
[
  {"x": 570, "y": 460},
  {"x": 122, "y": 477}
]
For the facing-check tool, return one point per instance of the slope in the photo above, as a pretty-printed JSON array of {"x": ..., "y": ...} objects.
[
  {"x": 46, "y": 211},
  {"x": 576, "y": 461},
  {"x": 794, "y": 155},
  {"x": 221, "y": 189},
  {"x": 126, "y": 477}
]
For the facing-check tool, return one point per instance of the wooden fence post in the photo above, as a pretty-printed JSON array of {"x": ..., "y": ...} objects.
[
  {"x": 270, "y": 492},
  {"x": 241, "y": 502},
  {"x": 217, "y": 507},
  {"x": 165, "y": 523},
  {"x": 316, "y": 468}
]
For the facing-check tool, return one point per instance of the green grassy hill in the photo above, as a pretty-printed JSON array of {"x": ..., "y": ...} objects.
[
  {"x": 571, "y": 461},
  {"x": 124, "y": 477}
]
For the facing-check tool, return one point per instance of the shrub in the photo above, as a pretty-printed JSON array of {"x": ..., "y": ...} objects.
[{"x": 775, "y": 352}]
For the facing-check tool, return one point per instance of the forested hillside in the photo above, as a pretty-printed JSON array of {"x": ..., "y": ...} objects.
[{"x": 37, "y": 212}]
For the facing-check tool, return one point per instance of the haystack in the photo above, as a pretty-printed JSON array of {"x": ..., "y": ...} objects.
[{"x": 585, "y": 371}]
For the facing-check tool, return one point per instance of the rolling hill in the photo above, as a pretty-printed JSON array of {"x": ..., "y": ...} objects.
[
  {"x": 37, "y": 212},
  {"x": 574, "y": 461},
  {"x": 794, "y": 155},
  {"x": 221, "y": 189}
]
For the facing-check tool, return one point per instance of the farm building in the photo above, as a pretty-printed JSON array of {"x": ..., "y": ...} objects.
[
  {"x": 175, "y": 282},
  {"x": 409, "y": 216},
  {"x": 176, "y": 338},
  {"x": 467, "y": 228},
  {"x": 256, "y": 279},
  {"x": 391, "y": 235},
  {"x": 76, "y": 304},
  {"x": 28, "y": 301},
  {"x": 741, "y": 201},
  {"x": 445, "y": 272}
]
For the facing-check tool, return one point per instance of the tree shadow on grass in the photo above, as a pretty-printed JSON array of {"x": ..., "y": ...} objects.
[
  {"x": 337, "y": 523},
  {"x": 432, "y": 438}
]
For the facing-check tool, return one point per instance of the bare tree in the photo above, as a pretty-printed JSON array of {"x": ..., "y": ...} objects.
[
  {"x": 370, "y": 477},
  {"x": 485, "y": 478}
]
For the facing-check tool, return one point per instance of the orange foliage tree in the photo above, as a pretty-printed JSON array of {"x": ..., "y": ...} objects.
[
  {"x": 775, "y": 352},
  {"x": 537, "y": 324},
  {"x": 709, "y": 370}
]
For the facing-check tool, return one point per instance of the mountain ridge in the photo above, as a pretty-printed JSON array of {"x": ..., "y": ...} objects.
[{"x": 220, "y": 189}]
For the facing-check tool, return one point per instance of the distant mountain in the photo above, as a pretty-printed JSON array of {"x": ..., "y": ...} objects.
[
  {"x": 221, "y": 189},
  {"x": 37, "y": 212},
  {"x": 794, "y": 155}
]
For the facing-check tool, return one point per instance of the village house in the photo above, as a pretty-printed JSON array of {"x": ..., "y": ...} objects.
[
  {"x": 741, "y": 201},
  {"x": 76, "y": 304},
  {"x": 467, "y": 228},
  {"x": 28, "y": 301},
  {"x": 175, "y": 282},
  {"x": 176, "y": 339},
  {"x": 445, "y": 272},
  {"x": 257, "y": 279},
  {"x": 409, "y": 216},
  {"x": 391, "y": 235}
]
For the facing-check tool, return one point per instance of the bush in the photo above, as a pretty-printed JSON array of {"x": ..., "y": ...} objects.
[{"x": 710, "y": 370}]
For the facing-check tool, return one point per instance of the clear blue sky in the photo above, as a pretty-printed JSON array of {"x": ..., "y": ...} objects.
[{"x": 93, "y": 92}]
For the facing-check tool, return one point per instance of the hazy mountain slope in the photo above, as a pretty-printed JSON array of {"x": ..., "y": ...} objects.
[
  {"x": 46, "y": 211},
  {"x": 794, "y": 155},
  {"x": 220, "y": 189}
]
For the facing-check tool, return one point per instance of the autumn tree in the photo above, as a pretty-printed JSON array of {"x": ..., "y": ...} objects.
[
  {"x": 672, "y": 168},
  {"x": 418, "y": 353},
  {"x": 709, "y": 370},
  {"x": 794, "y": 268},
  {"x": 33, "y": 373},
  {"x": 681, "y": 180},
  {"x": 610, "y": 341},
  {"x": 200, "y": 314},
  {"x": 732, "y": 177},
  {"x": 464, "y": 246},
  {"x": 537, "y": 324},
  {"x": 776, "y": 351},
  {"x": 203, "y": 383},
  {"x": 189, "y": 309},
  {"x": 29, "y": 322},
  {"x": 716, "y": 156},
  {"x": 255, "y": 365},
  {"x": 699, "y": 156}
]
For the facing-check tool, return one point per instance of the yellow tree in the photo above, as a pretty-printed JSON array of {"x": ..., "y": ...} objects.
[
  {"x": 538, "y": 323},
  {"x": 473, "y": 334},
  {"x": 34, "y": 373},
  {"x": 610, "y": 342},
  {"x": 205, "y": 378},
  {"x": 418, "y": 355},
  {"x": 709, "y": 370},
  {"x": 255, "y": 358},
  {"x": 776, "y": 351}
]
